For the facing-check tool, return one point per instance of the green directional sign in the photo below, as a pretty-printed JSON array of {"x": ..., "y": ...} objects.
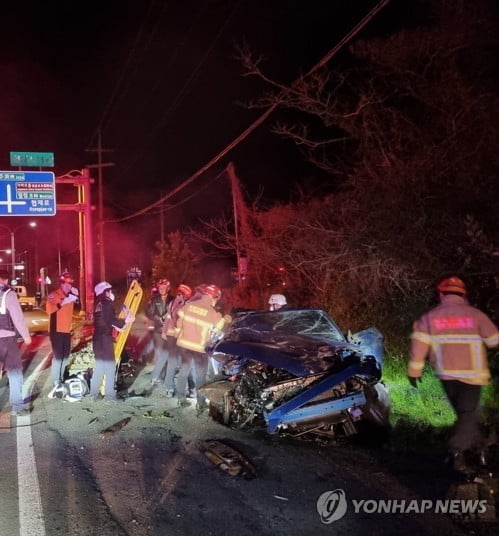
[{"x": 20, "y": 158}]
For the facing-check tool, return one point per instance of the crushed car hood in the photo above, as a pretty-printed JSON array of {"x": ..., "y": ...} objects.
[{"x": 301, "y": 341}]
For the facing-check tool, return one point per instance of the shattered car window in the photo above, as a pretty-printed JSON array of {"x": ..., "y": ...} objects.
[{"x": 310, "y": 322}]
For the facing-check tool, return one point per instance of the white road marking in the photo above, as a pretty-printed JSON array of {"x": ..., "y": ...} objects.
[{"x": 30, "y": 503}]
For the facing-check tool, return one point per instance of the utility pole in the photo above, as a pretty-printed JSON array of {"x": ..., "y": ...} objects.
[
  {"x": 84, "y": 209},
  {"x": 241, "y": 228},
  {"x": 161, "y": 222},
  {"x": 100, "y": 200}
]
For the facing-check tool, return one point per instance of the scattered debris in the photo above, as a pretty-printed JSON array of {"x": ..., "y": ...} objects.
[
  {"x": 281, "y": 498},
  {"x": 163, "y": 415},
  {"x": 116, "y": 427},
  {"x": 227, "y": 458},
  {"x": 95, "y": 419},
  {"x": 142, "y": 394}
]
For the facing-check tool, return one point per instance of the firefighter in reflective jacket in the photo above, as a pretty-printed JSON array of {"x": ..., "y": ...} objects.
[
  {"x": 197, "y": 322},
  {"x": 169, "y": 334},
  {"x": 455, "y": 335}
]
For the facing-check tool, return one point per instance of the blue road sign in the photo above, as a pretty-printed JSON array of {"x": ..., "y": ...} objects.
[{"x": 27, "y": 193}]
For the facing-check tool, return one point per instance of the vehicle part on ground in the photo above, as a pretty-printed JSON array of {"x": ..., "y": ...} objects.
[
  {"x": 116, "y": 427},
  {"x": 227, "y": 458},
  {"x": 293, "y": 372}
]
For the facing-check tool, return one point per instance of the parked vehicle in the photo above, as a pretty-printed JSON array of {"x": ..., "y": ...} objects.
[
  {"x": 294, "y": 372},
  {"x": 27, "y": 302}
]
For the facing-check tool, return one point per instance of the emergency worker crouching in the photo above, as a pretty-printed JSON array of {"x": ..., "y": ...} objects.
[
  {"x": 12, "y": 319},
  {"x": 60, "y": 308},
  {"x": 197, "y": 321},
  {"x": 103, "y": 344},
  {"x": 455, "y": 335}
]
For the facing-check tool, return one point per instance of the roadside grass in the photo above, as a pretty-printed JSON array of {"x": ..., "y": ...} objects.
[{"x": 421, "y": 417}]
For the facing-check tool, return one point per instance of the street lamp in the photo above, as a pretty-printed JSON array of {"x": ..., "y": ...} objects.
[{"x": 13, "y": 243}]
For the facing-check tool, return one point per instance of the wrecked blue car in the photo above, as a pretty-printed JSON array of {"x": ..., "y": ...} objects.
[{"x": 294, "y": 372}]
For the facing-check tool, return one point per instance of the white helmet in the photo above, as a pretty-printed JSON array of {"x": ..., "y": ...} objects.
[
  {"x": 102, "y": 287},
  {"x": 277, "y": 299}
]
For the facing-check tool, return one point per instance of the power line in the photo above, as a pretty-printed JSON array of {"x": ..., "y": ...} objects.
[
  {"x": 123, "y": 78},
  {"x": 139, "y": 110},
  {"x": 321, "y": 63},
  {"x": 181, "y": 94}
]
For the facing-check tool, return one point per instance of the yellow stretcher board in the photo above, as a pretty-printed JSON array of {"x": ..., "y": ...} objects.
[{"x": 131, "y": 303}]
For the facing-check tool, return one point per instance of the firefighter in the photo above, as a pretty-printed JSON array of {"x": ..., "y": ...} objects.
[
  {"x": 12, "y": 320},
  {"x": 156, "y": 311},
  {"x": 277, "y": 301},
  {"x": 103, "y": 344},
  {"x": 170, "y": 333},
  {"x": 455, "y": 335},
  {"x": 197, "y": 321},
  {"x": 60, "y": 307}
]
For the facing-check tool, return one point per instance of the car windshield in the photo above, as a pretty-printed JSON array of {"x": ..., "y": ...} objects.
[{"x": 308, "y": 322}]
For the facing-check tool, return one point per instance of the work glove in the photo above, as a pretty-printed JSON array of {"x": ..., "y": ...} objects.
[
  {"x": 414, "y": 381},
  {"x": 74, "y": 291},
  {"x": 129, "y": 318},
  {"x": 69, "y": 299}
]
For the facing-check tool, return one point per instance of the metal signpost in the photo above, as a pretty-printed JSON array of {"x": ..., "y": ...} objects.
[
  {"x": 27, "y": 193},
  {"x": 21, "y": 158}
]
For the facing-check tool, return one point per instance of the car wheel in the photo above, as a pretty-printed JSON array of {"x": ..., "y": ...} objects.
[
  {"x": 226, "y": 409},
  {"x": 378, "y": 405}
]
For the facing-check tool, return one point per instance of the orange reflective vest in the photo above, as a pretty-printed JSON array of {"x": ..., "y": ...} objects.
[
  {"x": 455, "y": 335},
  {"x": 196, "y": 320},
  {"x": 63, "y": 314}
]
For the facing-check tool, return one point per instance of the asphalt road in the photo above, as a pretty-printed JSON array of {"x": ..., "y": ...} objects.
[{"x": 64, "y": 474}]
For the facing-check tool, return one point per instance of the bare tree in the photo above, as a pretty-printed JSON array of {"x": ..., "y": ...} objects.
[{"x": 410, "y": 140}]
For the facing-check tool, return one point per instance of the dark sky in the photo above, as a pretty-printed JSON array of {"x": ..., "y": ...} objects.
[{"x": 162, "y": 81}]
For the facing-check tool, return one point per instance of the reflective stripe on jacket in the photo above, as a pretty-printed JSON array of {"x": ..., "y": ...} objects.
[
  {"x": 196, "y": 320},
  {"x": 455, "y": 336},
  {"x": 170, "y": 328}
]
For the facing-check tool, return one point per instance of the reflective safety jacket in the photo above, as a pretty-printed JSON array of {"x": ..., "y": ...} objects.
[
  {"x": 11, "y": 315},
  {"x": 455, "y": 335},
  {"x": 196, "y": 320},
  {"x": 60, "y": 316}
]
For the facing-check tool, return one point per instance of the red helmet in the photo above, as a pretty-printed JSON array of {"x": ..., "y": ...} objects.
[
  {"x": 185, "y": 290},
  {"x": 211, "y": 290},
  {"x": 452, "y": 284},
  {"x": 66, "y": 277}
]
